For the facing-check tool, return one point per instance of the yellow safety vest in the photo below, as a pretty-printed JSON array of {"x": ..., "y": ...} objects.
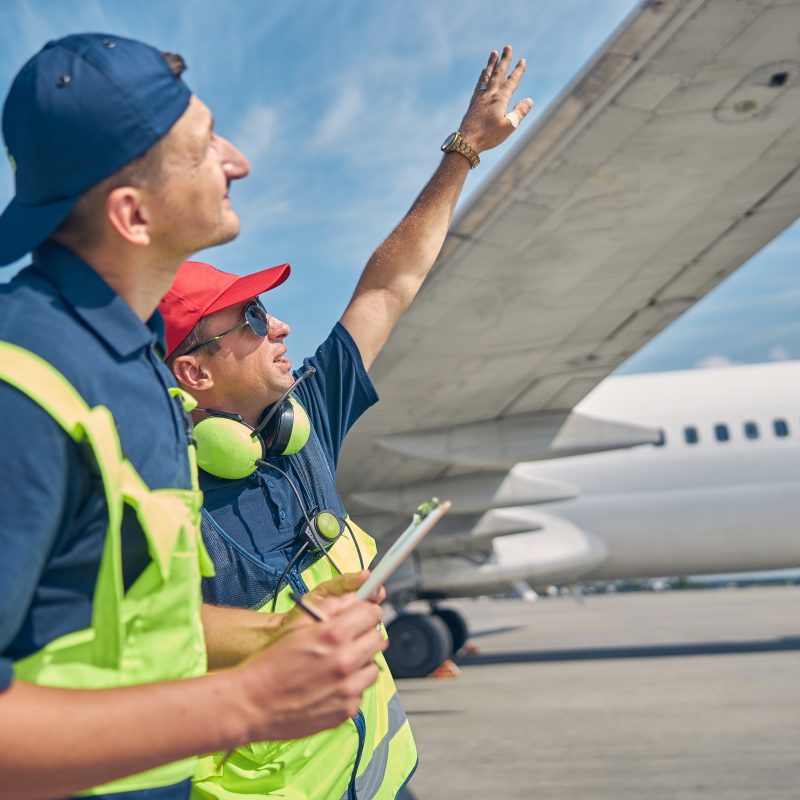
[
  {"x": 320, "y": 767},
  {"x": 152, "y": 632}
]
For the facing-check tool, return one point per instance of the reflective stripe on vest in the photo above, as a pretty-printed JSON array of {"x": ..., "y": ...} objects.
[
  {"x": 153, "y": 631},
  {"x": 321, "y": 767},
  {"x": 369, "y": 782}
]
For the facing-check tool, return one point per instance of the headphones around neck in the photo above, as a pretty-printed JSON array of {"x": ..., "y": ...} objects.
[{"x": 228, "y": 447}]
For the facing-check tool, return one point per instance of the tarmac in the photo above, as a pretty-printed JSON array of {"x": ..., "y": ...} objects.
[{"x": 675, "y": 694}]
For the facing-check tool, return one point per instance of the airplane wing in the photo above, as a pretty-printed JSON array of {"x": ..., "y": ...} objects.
[{"x": 667, "y": 162}]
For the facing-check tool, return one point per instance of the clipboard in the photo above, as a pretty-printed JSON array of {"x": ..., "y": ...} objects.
[{"x": 425, "y": 517}]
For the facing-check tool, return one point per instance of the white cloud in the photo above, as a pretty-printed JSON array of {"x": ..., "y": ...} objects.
[
  {"x": 258, "y": 132},
  {"x": 779, "y": 353},
  {"x": 341, "y": 120},
  {"x": 712, "y": 361}
]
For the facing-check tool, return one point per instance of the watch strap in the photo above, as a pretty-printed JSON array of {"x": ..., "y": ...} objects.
[{"x": 459, "y": 145}]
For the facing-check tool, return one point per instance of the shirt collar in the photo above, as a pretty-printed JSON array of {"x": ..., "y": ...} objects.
[{"x": 96, "y": 303}]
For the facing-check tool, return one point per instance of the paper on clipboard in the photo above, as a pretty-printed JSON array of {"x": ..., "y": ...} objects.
[{"x": 425, "y": 517}]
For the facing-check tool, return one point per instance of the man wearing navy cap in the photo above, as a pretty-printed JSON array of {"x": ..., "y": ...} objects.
[{"x": 120, "y": 177}]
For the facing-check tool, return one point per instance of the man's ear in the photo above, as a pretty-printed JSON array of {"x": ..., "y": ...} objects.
[
  {"x": 191, "y": 374},
  {"x": 128, "y": 213}
]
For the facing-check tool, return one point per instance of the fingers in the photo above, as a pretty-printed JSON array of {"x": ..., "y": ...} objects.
[
  {"x": 346, "y": 583},
  {"x": 493, "y": 75},
  {"x": 517, "y": 113},
  {"x": 486, "y": 72},
  {"x": 516, "y": 74},
  {"x": 378, "y": 596},
  {"x": 325, "y": 605},
  {"x": 361, "y": 651},
  {"x": 345, "y": 698},
  {"x": 355, "y": 620},
  {"x": 314, "y": 677},
  {"x": 341, "y": 584},
  {"x": 499, "y": 71}
]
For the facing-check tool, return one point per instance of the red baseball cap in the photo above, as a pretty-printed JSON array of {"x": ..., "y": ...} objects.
[{"x": 200, "y": 289}]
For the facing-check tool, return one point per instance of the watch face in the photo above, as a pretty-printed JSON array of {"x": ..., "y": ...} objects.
[{"x": 449, "y": 140}]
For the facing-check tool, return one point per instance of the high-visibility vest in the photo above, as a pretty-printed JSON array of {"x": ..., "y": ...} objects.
[
  {"x": 372, "y": 755},
  {"x": 152, "y": 631}
]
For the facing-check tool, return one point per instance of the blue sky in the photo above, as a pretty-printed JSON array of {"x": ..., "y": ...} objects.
[{"x": 341, "y": 107}]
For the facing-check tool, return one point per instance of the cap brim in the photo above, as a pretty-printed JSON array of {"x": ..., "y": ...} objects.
[
  {"x": 23, "y": 228},
  {"x": 249, "y": 286}
]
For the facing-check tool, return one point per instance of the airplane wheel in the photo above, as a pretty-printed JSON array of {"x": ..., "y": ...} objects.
[
  {"x": 456, "y": 624},
  {"x": 417, "y": 645}
]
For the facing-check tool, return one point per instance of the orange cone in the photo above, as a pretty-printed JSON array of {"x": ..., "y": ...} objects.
[{"x": 447, "y": 669}]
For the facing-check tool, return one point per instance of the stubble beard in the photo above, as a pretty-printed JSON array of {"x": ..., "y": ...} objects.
[{"x": 224, "y": 234}]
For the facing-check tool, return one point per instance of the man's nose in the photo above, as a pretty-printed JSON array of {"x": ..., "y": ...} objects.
[
  {"x": 278, "y": 329},
  {"x": 234, "y": 162}
]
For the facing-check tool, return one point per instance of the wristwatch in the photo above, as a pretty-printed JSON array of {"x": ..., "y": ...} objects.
[{"x": 455, "y": 143}]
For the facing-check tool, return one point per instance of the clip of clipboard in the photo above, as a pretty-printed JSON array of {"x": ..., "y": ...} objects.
[{"x": 425, "y": 517}]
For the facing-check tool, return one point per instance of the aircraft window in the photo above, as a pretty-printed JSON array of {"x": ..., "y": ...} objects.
[
  {"x": 780, "y": 427},
  {"x": 662, "y": 438},
  {"x": 751, "y": 430},
  {"x": 721, "y": 433},
  {"x": 691, "y": 435}
]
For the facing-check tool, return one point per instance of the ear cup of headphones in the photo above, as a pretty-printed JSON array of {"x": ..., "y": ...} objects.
[
  {"x": 327, "y": 529},
  {"x": 226, "y": 448},
  {"x": 329, "y": 526},
  {"x": 287, "y": 431}
]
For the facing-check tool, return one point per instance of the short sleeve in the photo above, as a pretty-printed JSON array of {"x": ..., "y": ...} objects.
[
  {"x": 38, "y": 481},
  {"x": 6, "y": 674},
  {"x": 340, "y": 391}
]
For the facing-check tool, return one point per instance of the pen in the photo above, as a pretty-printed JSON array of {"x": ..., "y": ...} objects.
[{"x": 298, "y": 600}]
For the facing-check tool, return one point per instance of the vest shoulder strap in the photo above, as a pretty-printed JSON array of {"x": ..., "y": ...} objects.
[{"x": 45, "y": 385}]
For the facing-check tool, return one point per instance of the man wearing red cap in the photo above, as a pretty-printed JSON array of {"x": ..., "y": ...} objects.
[{"x": 268, "y": 444}]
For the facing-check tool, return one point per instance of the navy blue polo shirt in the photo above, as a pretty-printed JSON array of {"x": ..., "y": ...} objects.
[
  {"x": 261, "y": 513},
  {"x": 53, "y": 511}
]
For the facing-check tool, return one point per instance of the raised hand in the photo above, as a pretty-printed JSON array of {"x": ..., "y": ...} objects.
[{"x": 488, "y": 121}]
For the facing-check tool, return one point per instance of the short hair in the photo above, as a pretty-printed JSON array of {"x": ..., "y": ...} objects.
[
  {"x": 81, "y": 225},
  {"x": 193, "y": 338},
  {"x": 176, "y": 62}
]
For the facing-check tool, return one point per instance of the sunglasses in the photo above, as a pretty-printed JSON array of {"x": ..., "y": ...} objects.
[{"x": 255, "y": 318}]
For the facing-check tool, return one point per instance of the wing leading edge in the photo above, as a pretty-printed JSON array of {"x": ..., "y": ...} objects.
[{"x": 669, "y": 160}]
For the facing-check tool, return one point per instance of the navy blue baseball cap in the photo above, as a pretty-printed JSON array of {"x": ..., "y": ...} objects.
[{"x": 79, "y": 110}]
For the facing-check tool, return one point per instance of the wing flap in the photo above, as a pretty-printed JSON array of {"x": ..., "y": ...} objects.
[
  {"x": 524, "y": 437},
  {"x": 470, "y": 493}
]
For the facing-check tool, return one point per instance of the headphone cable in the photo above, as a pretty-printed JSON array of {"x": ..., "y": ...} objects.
[
  {"x": 311, "y": 531},
  {"x": 291, "y": 563},
  {"x": 355, "y": 542}
]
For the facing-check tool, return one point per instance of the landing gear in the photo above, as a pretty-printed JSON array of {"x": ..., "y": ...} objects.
[
  {"x": 456, "y": 624},
  {"x": 419, "y": 643}
]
